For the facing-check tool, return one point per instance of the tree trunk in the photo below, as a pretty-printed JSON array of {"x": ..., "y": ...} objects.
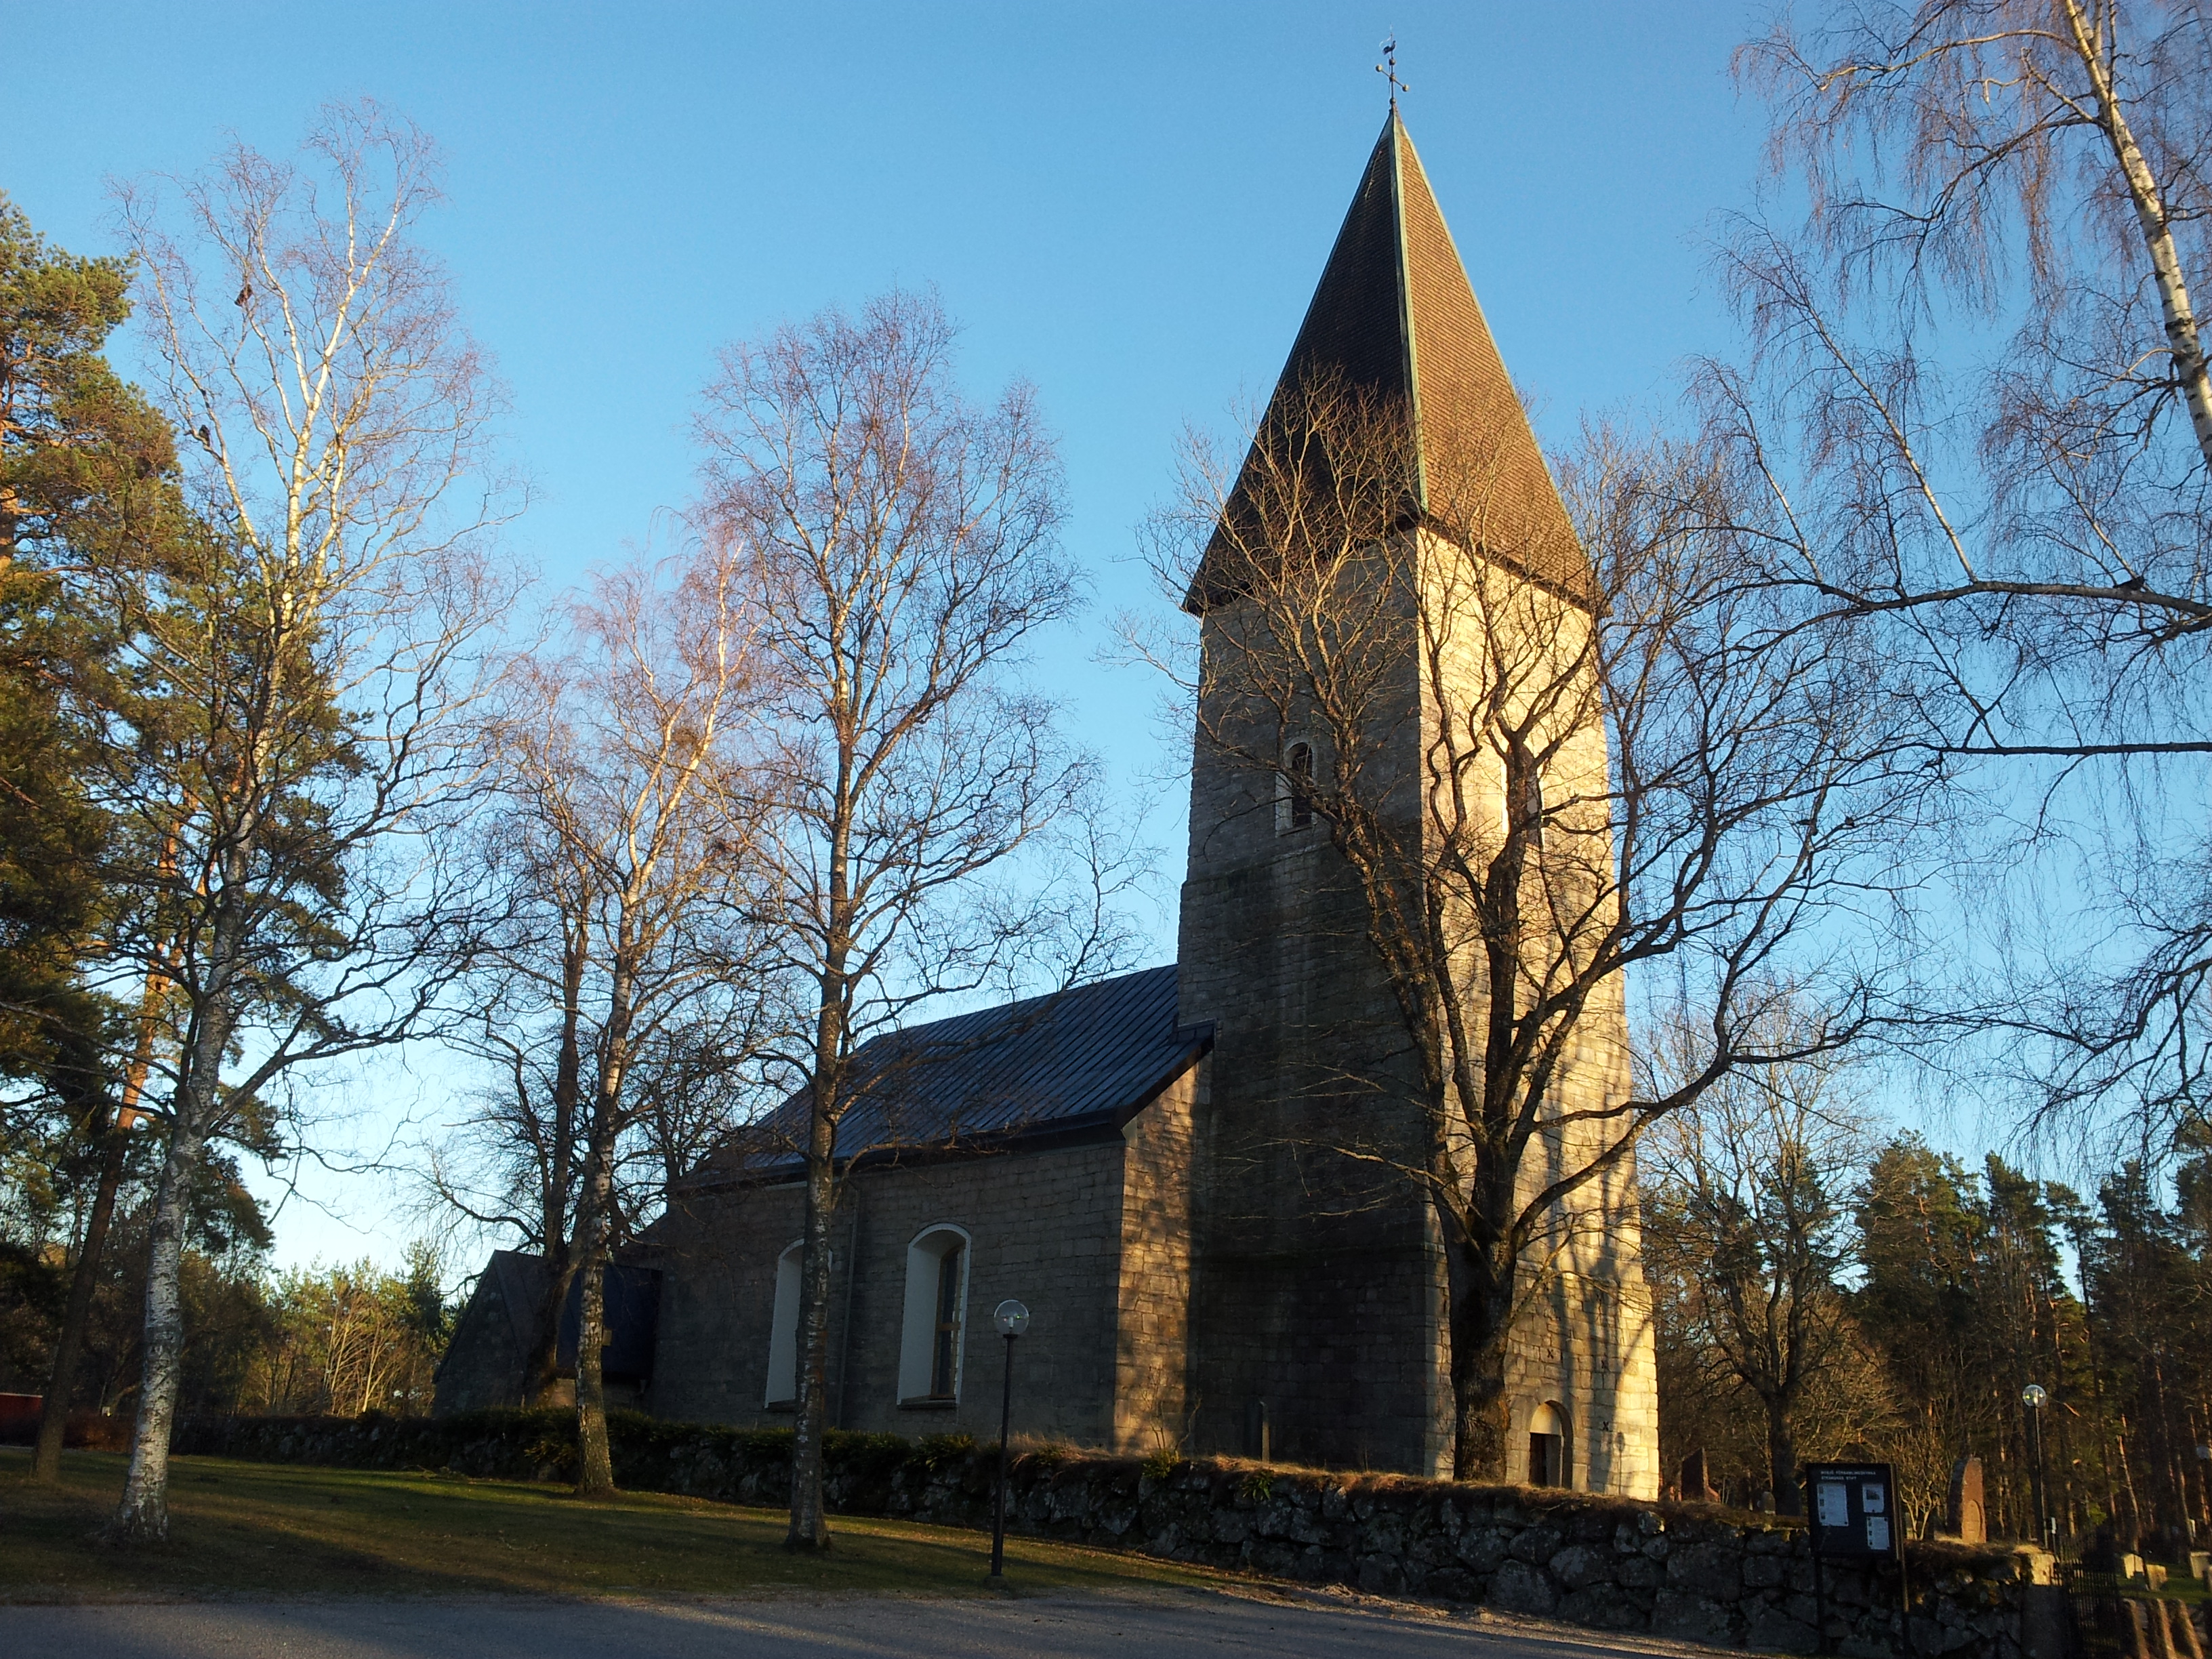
[
  {"x": 2183, "y": 340},
  {"x": 809, "y": 1519},
  {"x": 1481, "y": 1324},
  {"x": 595, "y": 1473},
  {"x": 61, "y": 1385},
  {"x": 542, "y": 1368},
  {"x": 143, "y": 1513},
  {"x": 1781, "y": 1457},
  {"x": 2131, "y": 1534}
]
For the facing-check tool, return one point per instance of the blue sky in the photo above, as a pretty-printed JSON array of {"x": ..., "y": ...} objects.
[{"x": 1127, "y": 204}]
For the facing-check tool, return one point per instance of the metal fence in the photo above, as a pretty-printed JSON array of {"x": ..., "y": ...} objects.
[{"x": 2117, "y": 1618}]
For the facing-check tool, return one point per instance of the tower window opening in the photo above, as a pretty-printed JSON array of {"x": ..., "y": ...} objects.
[{"x": 1298, "y": 768}]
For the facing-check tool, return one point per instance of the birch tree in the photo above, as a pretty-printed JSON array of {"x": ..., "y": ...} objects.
[
  {"x": 2050, "y": 150},
  {"x": 634, "y": 759},
  {"x": 309, "y": 667},
  {"x": 1977, "y": 397},
  {"x": 513, "y": 1163},
  {"x": 904, "y": 548},
  {"x": 1653, "y": 769}
]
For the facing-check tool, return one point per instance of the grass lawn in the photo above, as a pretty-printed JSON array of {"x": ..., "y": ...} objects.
[{"x": 256, "y": 1530}]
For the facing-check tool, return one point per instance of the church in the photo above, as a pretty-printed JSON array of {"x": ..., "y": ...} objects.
[{"x": 1122, "y": 1157}]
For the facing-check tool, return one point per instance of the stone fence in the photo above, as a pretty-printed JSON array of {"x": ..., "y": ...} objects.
[{"x": 1692, "y": 1571}]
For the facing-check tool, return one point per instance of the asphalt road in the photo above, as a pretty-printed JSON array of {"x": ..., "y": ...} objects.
[{"x": 1151, "y": 1625}]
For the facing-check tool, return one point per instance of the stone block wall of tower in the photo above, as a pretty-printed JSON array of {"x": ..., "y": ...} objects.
[
  {"x": 1584, "y": 1344},
  {"x": 1318, "y": 1282},
  {"x": 1313, "y": 1276}
]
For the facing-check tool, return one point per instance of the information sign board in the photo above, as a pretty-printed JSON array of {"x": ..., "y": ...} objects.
[{"x": 1853, "y": 1510}]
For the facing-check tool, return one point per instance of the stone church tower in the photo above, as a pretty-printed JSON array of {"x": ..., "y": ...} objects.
[
  {"x": 1318, "y": 1304},
  {"x": 1155, "y": 1163}
]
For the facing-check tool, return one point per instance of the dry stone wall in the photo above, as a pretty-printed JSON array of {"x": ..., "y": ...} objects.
[{"x": 1685, "y": 1571}]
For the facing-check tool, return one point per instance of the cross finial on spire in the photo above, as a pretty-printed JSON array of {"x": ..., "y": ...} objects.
[{"x": 1388, "y": 69}]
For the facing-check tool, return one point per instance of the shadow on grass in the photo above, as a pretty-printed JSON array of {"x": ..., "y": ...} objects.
[{"x": 261, "y": 1530}]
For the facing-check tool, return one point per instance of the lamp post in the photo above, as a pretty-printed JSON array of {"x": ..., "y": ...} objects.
[
  {"x": 2032, "y": 1397},
  {"x": 1012, "y": 1319}
]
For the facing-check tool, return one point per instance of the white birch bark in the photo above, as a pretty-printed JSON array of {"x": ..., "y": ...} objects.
[
  {"x": 320, "y": 652},
  {"x": 2183, "y": 338},
  {"x": 143, "y": 1513}
]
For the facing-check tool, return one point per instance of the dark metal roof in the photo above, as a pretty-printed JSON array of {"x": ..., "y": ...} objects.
[
  {"x": 1077, "y": 1059},
  {"x": 631, "y": 1312},
  {"x": 520, "y": 1280}
]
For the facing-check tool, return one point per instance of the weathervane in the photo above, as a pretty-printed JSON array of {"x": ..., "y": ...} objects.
[{"x": 1388, "y": 69}]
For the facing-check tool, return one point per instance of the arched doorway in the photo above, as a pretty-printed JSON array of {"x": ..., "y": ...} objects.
[{"x": 1548, "y": 1445}]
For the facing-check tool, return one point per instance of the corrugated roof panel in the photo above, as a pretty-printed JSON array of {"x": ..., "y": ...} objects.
[{"x": 1089, "y": 1052}]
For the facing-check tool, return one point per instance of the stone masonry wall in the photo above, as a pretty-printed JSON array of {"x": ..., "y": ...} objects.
[
  {"x": 1314, "y": 1288},
  {"x": 1042, "y": 1225},
  {"x": 1687, "y": 1571},
  {"x": 1318, "y": 1283},
  {"x": 1152, "y": 1318},
  {"x": 718, "y": 1254},
  {"x": 1583, "y": 1342}
]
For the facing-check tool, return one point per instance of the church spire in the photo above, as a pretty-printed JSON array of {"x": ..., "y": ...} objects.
[{"x": 1394, "y": 318}]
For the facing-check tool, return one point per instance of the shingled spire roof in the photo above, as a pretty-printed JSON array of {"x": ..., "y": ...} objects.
[{"x": 1394, "y": 318}]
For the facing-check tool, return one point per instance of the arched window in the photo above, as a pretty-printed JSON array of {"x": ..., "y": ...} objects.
[
  {"x": 936, "y": 1317},
  {"x": 1548, "y": 1446},
  {"x": 783, "y": 1331},
  {"x": 1295, "y": 808}
]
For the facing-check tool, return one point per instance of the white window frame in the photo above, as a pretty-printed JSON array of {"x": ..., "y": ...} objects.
[
  {"x": 925, "y": 1256},
  {"x": 783, "y": 1329}
]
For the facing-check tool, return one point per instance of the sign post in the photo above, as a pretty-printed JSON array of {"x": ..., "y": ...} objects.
[{"x": 1853, "y": 1513}]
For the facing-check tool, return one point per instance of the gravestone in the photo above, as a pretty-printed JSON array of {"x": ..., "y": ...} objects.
[{"x": 1969, "y": 1519}]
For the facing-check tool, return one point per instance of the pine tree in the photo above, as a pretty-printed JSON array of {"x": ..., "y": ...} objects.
[{"x": 87, "y": 474}]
